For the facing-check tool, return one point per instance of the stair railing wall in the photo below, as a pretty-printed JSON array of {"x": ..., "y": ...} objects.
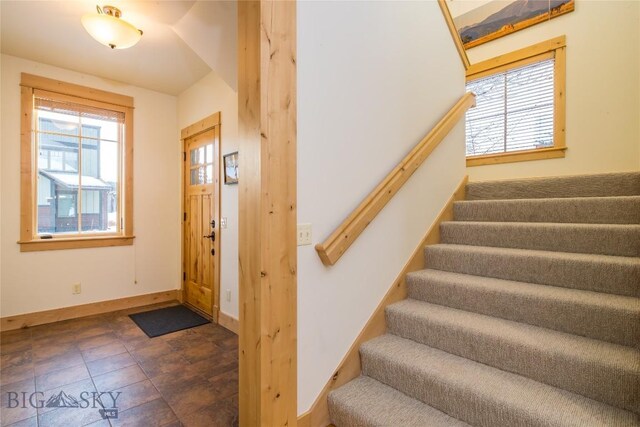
[{"x": 348, "y": 231}]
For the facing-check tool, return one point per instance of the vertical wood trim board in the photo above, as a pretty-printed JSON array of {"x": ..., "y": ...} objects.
[
  {"x": 128, "y": 172},
  {"x": 267, "y": 212},
  {"x": 26, "y": 165},
  {"x": 249, "y": 225},
  {"x": 560, "y": 107},
  {"x": 349, "y": 367}
]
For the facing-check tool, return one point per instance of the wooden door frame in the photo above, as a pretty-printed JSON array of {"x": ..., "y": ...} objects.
[
  {"x": 267, "y": 212},
  {"x": 201, "y": 126}
]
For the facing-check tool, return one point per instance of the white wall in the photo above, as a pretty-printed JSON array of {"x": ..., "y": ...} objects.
[
  {"x": 210, "y": 29},
  {"x": 603, "y": 89},
  {"x": 42, "y": 280},
  {"x": 373, "y": 79},
  {"x": 210, "y": 95}
]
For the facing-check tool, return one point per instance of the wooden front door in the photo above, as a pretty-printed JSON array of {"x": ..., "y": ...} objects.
[{"x": 201, "y": 222}]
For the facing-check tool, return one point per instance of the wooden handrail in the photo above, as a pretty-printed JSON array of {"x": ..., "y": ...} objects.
[{"x": 339, "y": 241}]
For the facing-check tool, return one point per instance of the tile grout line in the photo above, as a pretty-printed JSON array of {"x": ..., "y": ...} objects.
[
  {"x": 33, "y": 367},
  {"x": 92, "y": 381},
  {"x": 141, "y": 369},
  {"x": 131, "y": 342},
  {"x": 33, "y": 372}
]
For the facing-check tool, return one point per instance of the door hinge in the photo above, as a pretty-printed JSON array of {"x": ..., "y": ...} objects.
[
  {"x": 184, "y": 217},
  {"x": 184, "y": 276}
]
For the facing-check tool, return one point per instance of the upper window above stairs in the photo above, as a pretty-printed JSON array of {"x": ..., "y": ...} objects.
[{"x": 520, "y": 106}]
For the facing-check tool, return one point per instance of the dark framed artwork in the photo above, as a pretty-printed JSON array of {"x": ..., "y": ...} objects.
[{"x": 230, "y": 164}]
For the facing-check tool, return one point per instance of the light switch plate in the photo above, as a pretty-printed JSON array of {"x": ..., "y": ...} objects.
[
  {"x": 304, "y": 234},
  {"x": 223, "y": 222}
]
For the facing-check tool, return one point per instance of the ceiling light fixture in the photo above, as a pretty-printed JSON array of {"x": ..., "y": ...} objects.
[{"x": 107, "y": 28}]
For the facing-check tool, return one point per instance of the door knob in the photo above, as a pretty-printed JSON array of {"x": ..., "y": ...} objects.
[{"x": 211, "y": 236}]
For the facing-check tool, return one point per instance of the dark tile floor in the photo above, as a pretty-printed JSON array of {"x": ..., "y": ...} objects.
[{"x": 187, "y": 378}]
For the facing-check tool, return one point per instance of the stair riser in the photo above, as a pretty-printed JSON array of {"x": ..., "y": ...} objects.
[
  {"x": 603, "y": 240},
  {"x": 619, "y": 277},
  {"x": 367, "y": 402},
  {"x": 482, "y": 396},
  {"x": 621, "y": 184},
  {"x": 622, "y": 210},
  {"x": 341, "y": 415},
  {"x": 598, "y": 380},
  {"x": 606, "y": 323}
]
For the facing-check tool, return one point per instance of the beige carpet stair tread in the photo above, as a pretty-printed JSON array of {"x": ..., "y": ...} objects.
[
  {"x": 609, "y": 184},
  {"x": 603, "y": 239},
  {"x": 602, "y": 371},
  {"x": 367, "y": 402},
  {"x": 588, "y": 210},
  {"x": 479, "y": 394},
  {"x": 597, "y": 315},
  {"x": 527, "y": 313},
  {"x": 600, "y": 273}
]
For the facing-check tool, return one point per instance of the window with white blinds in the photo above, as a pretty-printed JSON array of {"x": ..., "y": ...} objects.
[
  {"x": 76, "y": 169},
  {"x": 514, "y": 110},
  {"x": 80, "y": 153}
]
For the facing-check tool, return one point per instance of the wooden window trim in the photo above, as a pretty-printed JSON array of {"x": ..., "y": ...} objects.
[
  {"x": 30, "y": 85},
  {"x": 553, "y": 48},
  {"x": 517, "y": 156},
  {"x": 57, "y": 86},
  {"x": 75, "y": 243}
]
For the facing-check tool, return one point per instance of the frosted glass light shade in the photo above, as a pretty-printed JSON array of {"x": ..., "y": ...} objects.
[{"x": 111, "y": 31}]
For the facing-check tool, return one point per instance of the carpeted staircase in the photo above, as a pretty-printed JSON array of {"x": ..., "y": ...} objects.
[{"x": 527, "y": 315}]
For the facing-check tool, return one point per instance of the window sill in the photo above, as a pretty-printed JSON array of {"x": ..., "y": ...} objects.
[
  {"x": 75, "y": 243},
  {"x": 519, "y": 156}
]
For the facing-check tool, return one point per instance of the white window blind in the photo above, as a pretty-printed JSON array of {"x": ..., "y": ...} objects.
[
  {"x": 42, "y": 103},
  {"x": 79, "y": 152},
  {"x": 514, "y": 110}
]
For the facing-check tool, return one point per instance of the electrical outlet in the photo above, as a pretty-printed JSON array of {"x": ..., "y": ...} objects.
[
  {"x": 304, "y": 234},
  {"x": 76, "y": 288},
  {"x": 228, "y": 295},
  {"x": 223, "y": 222}
]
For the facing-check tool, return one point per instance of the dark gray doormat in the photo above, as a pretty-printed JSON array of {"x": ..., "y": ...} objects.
[{"x": 166, "y": 320}]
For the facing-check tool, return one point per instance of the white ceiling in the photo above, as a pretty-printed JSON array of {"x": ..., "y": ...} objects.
[{"x": 182, "y": 42}]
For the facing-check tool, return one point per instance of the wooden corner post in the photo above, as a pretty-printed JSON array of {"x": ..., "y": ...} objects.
[{"x": 267, "y": 212}]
